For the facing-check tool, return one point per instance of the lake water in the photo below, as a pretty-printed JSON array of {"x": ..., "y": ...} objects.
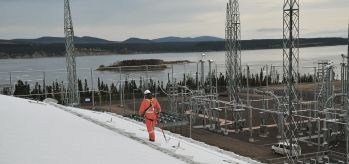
[{"x": 31, "y": 70}]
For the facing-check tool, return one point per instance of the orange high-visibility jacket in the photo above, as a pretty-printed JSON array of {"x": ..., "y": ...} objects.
[{"x": 153, "y": 110}]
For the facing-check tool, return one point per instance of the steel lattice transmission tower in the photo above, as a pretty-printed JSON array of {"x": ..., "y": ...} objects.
[
  {"x": 233, "y": 61},
  {"x": 290, "y": 70},
  {"x": 346, "y": 103},
  {"x": 347, "y": 88},
  {"x": 73, "y": 94},
  {"x": 233, "y": 50}
]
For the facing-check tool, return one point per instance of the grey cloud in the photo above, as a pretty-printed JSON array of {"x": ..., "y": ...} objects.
[
  {"x": 269, "y": 30},
  {"x": 120, "y": 19},
  {"x": 328, "y": 33},
  {"x": 325, "y": 4}
]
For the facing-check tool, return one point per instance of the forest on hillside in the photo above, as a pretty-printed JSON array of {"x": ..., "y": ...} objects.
[{"x": 34, "y": 50}]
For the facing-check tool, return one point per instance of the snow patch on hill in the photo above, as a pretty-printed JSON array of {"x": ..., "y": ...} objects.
[{"x": 36, "y": 132}]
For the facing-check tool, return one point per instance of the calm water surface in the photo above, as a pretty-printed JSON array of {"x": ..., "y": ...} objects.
[{"x": 55, "y": 67}]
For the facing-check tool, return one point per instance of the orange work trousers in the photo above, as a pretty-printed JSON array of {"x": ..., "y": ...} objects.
[{"x": 150, "y": 127}]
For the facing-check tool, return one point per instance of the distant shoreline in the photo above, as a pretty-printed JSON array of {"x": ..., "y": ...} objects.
[
  {"x": 28, "y": 51},
  {"x": 80, "y": 54}
]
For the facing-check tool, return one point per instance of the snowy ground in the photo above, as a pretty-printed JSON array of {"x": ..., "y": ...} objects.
[{"x": 41, "y": 133}]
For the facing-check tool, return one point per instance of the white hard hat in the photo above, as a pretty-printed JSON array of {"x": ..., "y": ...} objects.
[{"x": 147, "y": 92}]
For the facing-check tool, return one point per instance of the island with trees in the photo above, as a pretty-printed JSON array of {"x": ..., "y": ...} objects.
[{"x": 140, "y": 65}]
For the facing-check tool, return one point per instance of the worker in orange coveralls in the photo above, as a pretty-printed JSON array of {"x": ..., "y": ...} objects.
[{"x": 150, "y": 109}]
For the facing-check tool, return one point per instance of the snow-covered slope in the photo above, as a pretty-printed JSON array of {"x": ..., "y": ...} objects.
[{"x": 41, "y": 133}]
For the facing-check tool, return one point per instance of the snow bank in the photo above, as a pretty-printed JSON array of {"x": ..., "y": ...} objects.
[
  {"x": 39, "y": 133},
  {"x": 51, "y": 133}
]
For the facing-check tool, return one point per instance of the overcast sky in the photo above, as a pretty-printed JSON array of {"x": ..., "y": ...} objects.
[{"x": 150, "y": 19}]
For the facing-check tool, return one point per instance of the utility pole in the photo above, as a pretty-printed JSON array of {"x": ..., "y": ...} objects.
[
  {"x": 93, "y": 91},
  {"x": 121, "y": 89},
  {"x": 249, "y": 103},
  {"x": 11, "y": 88},
  {"x": 134, "y": 101},
  {"x": 44, "y": 84}
]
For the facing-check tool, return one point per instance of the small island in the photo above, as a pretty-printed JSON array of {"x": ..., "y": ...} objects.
[{"x": 140, "y": 65}]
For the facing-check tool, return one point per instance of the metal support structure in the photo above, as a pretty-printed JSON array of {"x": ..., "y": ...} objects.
[
  {"x": 326, "y": 87},
  {"x": 110, "y": 100},
  {"x": 197, "y": 76},
  {"x": 44, "y": 84},
  {"x": 273, "y": 75},
  {"x": 147, "y": 78},
  {"x": 233, "y": 50},
  {"x": 347, "y": 88},
  {"x": 11, "y": 88},
  {"x": 233, "y": 61},
  {"x": 204, "y": 101},
  {"x": 121, "y": 90},
  {"x": 217, "y": 97},
  {"x": 315, "y": 79},
  {"x": 344, "y": 77},
  {"x": 73, "y": 93},
  {"x": 347, "y": 103},
  {"x": 155, "y": 89},
  {"x": 173, "y": 94},
  {"x": 251, "y": 139},
  {"x": 290, "y": 69},
  {"x": 327, "y": 92},
  {"x": 93, "y": 91},
  {"x": 202, "y": 78},
  {"x": 123, "y": 95},
  {"x": 318, "y": 123},
  {"x": 210, "y": 105},
  {"x": 190, "y": 118},
  {"x": 210, "y": 77},
  {"x": 265, "y": 103}
]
